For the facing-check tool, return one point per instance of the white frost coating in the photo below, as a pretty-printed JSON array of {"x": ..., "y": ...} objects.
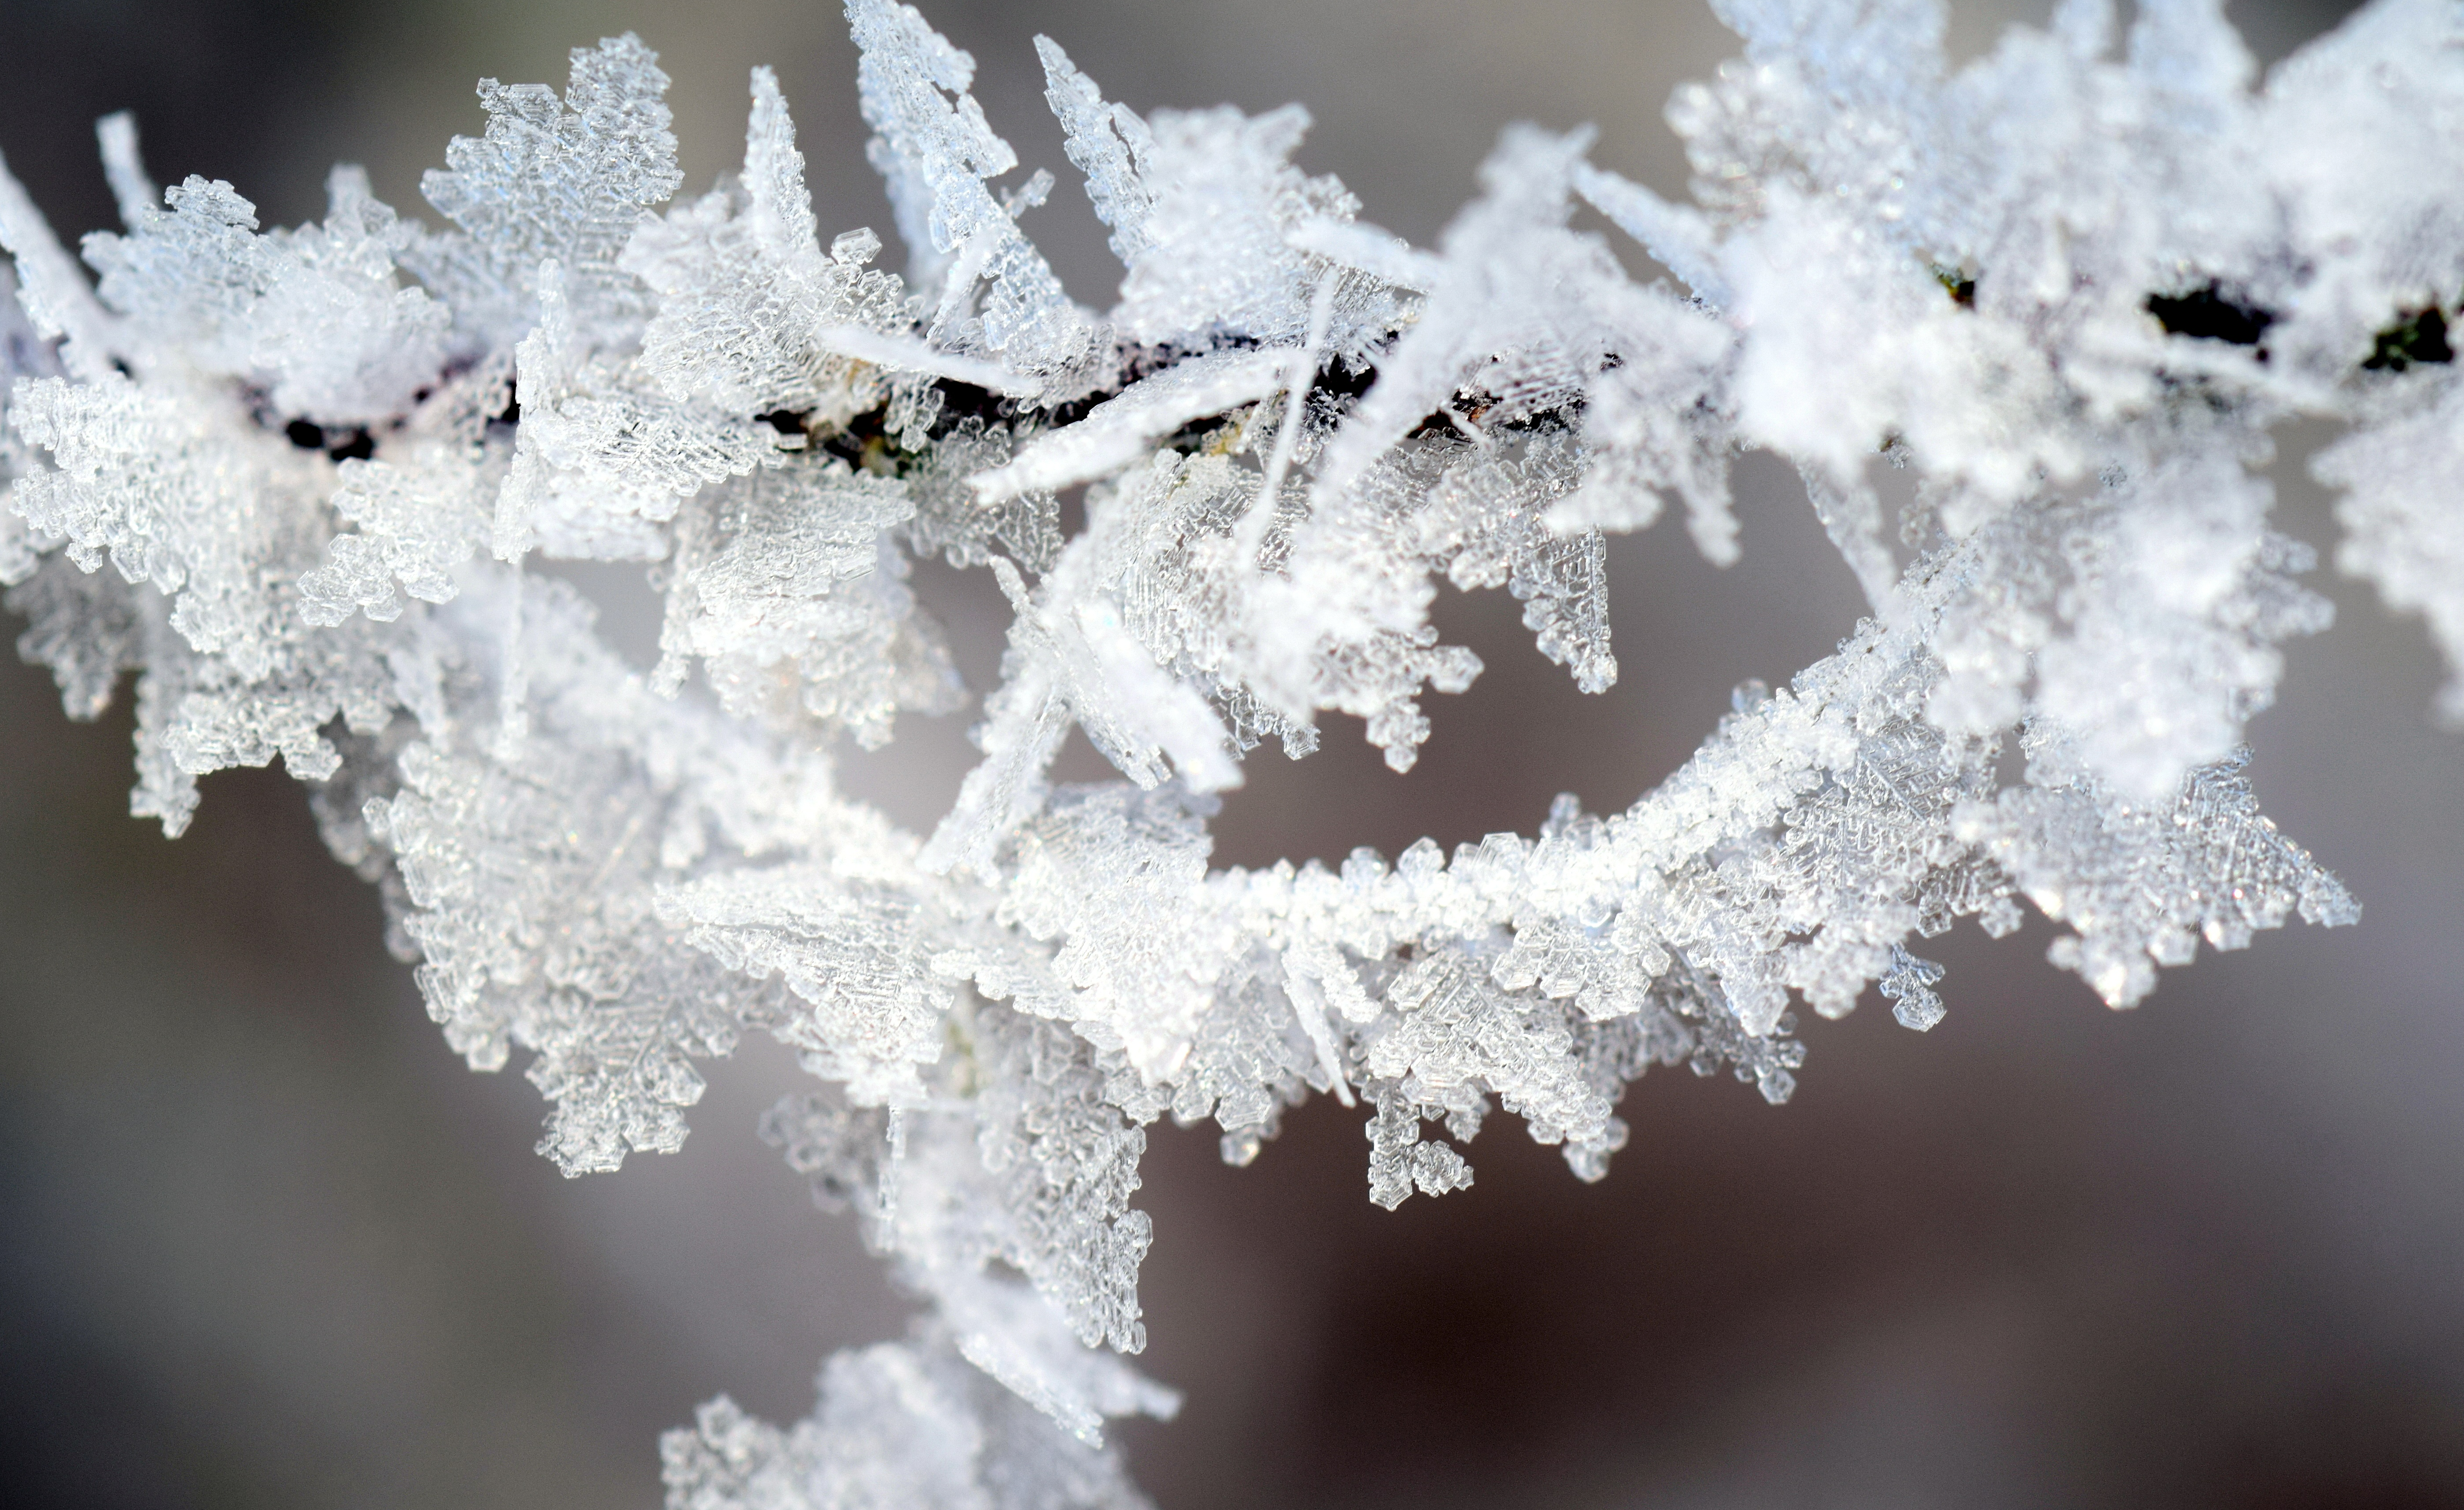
[
  {"x": 2403, "y": 530},
  {"x": 792, "y": 596},
  {"x": 132, "y": 187},
  {"x": 1678, "y": 235},
  {"x": 1110, "y": 145},
  {"x": 56, "y": 301},
  {"x": 1211, "y": 220},
  {"x": 1125, "y": 427},
  {"x": 2070, "y": 287},
  {"x": 752, "y": 317},
  {"x": 906, "y": 354},
  {"x": 316, "y": 311},
  {"x": 1224, "y": 199},
  {"x": 937, "y": 152}
]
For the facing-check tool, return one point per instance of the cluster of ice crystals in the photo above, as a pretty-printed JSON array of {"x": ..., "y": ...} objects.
[
  {"x": 747, "y": 298},
  {"x": 901, "y": 1426},
  {"x": 293, "y": 480},
  {"x": 937, "y": 152},
  {"x": 564, "y": 181}
]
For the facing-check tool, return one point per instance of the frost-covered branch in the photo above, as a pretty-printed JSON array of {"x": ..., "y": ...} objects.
[{"x": 293, "y": 479}]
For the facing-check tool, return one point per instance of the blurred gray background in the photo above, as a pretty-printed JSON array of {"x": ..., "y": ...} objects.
[{"x": 265, "y": 1242}]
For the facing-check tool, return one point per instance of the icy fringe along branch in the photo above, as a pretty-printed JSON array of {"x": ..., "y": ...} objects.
[{"x": 2070, "y": 286}]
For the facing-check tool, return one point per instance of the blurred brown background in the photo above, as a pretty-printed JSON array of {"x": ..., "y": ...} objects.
[{"x": 264, "y": 1241}]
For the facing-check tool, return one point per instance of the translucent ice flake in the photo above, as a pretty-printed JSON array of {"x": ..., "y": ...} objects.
[
  {"x": 853, "y": 952},
  {"x": 1225, "y": 201},
  {"x": 954, "y": 522},
  {"x": 1208, "y": 219},
  {"x": 1908, "y": 985},
  {"x": 2141, "y": 883},
  {"x": 566, "y": 181},
  {"x": 788, "y": 588},
  {"x": 1485, "y": 326},
  {"x": 315, "y": 314},
  {"x": 215, "y": 519},
  {"x": 1452, "y": 1031},
  {"x": 602, "y": 455},
  {"x": 1068, "y": 1162},
  {"x": 423, "y": 509},
  {"x": 1110, "y": 145},
  {"x": 1345, "y": 624},
  {"x": 1400, "y": 1162},
  {"x": 87, "y": 626},
  {"x": 2147, "y": 616},
  {"x": 1073, "y": 657},
  {"x": 1033, "y": 1170},
  {"x": 23, "y": 353},
  {"x": 1116, "y": 874},
  {"x": 565, "y": 957},
  {"x": 746, "y": 295},
  {"x": 167, "y": 488},
  {"x": 935, "y": 147},
  {"x": 1657, "y": 423},
  {"x": 1483, "y": 521},
  {"x": 1677, "y": 235}
]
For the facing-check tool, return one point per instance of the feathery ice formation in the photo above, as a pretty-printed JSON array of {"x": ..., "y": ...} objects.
[{"x": 2070, "y": 286}]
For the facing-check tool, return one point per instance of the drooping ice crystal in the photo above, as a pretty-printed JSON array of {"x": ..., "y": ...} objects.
[{"x": 293, "y": 479}]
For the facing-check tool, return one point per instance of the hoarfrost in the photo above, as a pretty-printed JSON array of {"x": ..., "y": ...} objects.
[
  {"x": 555, "y": 180},
  {"x": 2070, "y": 287}
]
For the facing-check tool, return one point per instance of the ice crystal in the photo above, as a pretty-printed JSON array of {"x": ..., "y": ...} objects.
[
  {"x": 564, "y": 181},
  {"x": 295, "y": 480}
]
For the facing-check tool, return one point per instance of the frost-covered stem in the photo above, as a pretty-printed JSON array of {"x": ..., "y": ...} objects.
[{"x": 2070, "y": 287}]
